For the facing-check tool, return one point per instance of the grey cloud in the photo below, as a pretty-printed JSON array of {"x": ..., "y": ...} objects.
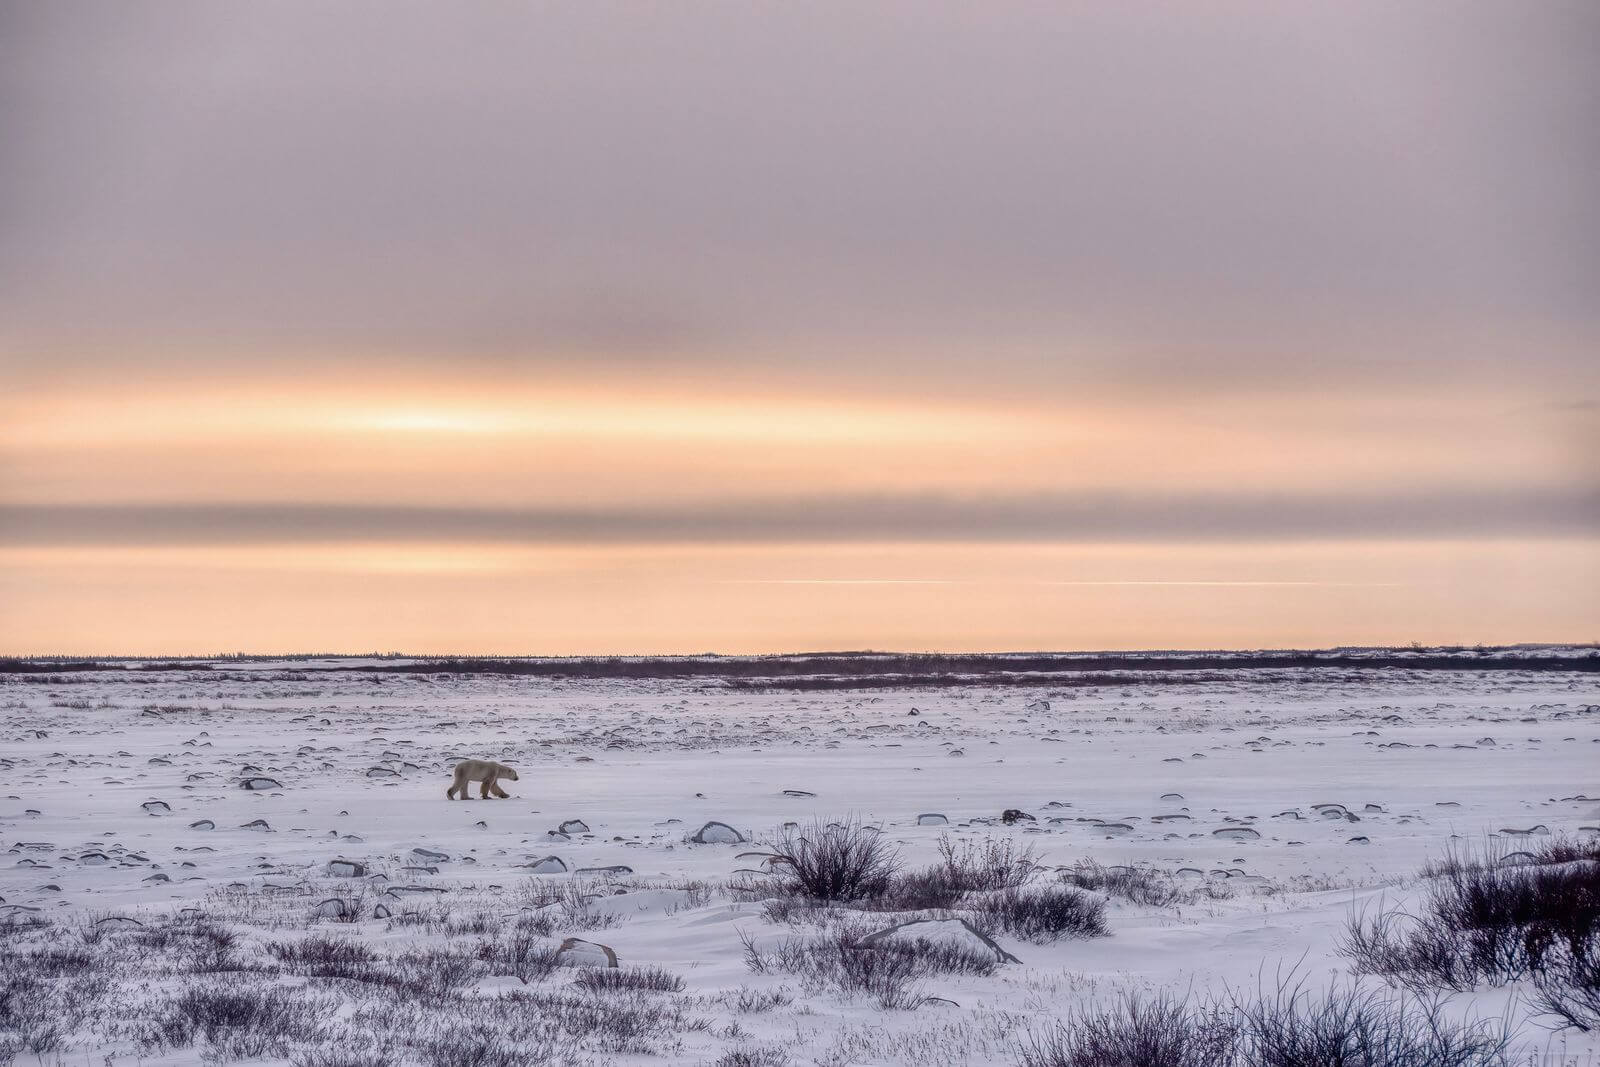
[
  {"x": 1059, "y": 517},
  {"x": 1261, "y": 184}
]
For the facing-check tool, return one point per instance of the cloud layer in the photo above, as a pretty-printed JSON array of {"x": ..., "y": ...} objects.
[
  {"x": 1191, "y": 192},
  {"x": 1082, "y": 517}
]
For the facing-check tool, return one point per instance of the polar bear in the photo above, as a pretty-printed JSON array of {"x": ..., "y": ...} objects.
[{"x": 477, "y": 770}]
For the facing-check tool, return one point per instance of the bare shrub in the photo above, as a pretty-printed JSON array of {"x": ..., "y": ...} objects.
[
  {"x": 884, "y": 970},
  {"x": 1138, "y": 1032},
  {"x": 411, "y": 917},
  {"x": 964, "y": 867},
  {"x": 836, "y": 861},
  {"x": 526, "y": 956},
  {"x": 927, "y": 889},
  {"x": 477, "y": 1046},
  {"x": 626, "y": 1022},
  {"x": 19, "y": 929},
  {"x": 1510, "y": 917},
  {"x": 753, "y": 1056},
  {"x": 749, "y": 1001},
  {"x": 1419, "y": 953},
  {"x": 436, "y": 973},
  {"x": 246, "y": 1021},
  {"x": 326, "y": 957},
  {"x": 1292, "y": 1028},
  {"x": 787, "y": 908},
  {"x": 1136, "y": 885},
  {"x": 884, "y": 976},
  {"x": 1495, "y": 851},
  {"x": 480, "y": 923},
  {"x": 1568, "y": 986},
  {"x": 59, "y": 961},
  {"x": 1289, "y": 1027},
  {"x": 194, "y": 946},
  {"x": 563, "y": 904},
  {"x": 328, "y": 1057},
  {"x": 534, "y": 923},
  {"x": 28, "y": 1021},
  {"x": 1563, "y": 849},
  {"x": 1484, "y": 920},
  {"x": 995, "y": 864},
  {"x": 611, "y": 979},
  {"x": 1041, "y": 914}
]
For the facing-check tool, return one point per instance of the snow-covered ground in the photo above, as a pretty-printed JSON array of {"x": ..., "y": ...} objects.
[{"x": 120, "y": 794}]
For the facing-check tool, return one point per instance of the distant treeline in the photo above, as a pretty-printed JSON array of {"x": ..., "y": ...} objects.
[
  {"x": 61, "y": 666},
  {"x": 906, "y": 667},
  {"x": 892, "y": 668}
]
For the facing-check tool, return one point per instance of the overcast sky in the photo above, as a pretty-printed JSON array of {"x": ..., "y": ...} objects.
[{"x": 804, "y": 274}]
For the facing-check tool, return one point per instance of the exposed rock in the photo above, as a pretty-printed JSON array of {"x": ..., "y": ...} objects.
[
  {"x": 334, "y": 908},
  {"x": 260, "y": 783},
  {"x": 932, "y": 818},
  {"x": 717, "y": 833},
  {"x": 574, "y": 826},
  {"x": 548, "y": 865},
  {"x": 202, "y": 824},
  {"x": 156, "y": 807},
  {"x": 1236, "y": 833},
  {"x": 576, "y": 952},
  {"x": 346, "y": 869}
]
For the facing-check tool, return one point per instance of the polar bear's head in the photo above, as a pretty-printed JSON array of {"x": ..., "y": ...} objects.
[{"x": 510, "y": 773}]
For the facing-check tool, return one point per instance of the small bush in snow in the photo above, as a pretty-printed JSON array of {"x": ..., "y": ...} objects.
[
  {"x": 1289, "y": 1027},
  {"x": 1042, "y": 913},
  {"x": 525, "y": 955},
  {"x": 610, "y": 979},
  {"x": 1135, "y": 885},
  {"x": 1137, "y": 1032},
  {"x": 836, "y": 861},
  {"x": 1568, "y": 986}
]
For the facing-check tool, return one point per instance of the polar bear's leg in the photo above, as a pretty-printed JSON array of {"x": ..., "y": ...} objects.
[
  {"x": 488, "y": 785},
  {"x": 501, "y": 793}
]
